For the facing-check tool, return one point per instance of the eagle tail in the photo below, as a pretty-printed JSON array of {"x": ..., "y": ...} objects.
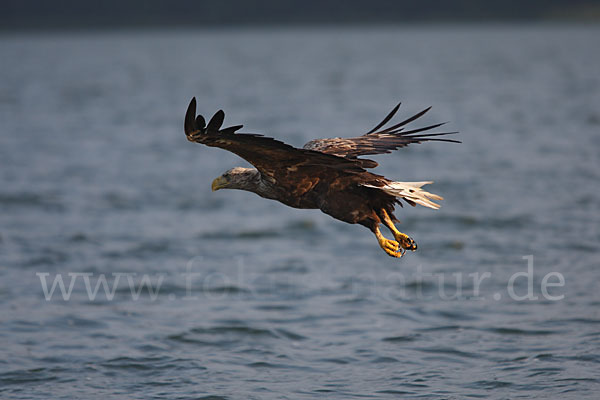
[{"x": 411, "y": 192}]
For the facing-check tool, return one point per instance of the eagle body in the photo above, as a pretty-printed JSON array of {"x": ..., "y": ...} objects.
[
  {"x": 337, "y": 197},
  {"x": 325, "y": 174}
]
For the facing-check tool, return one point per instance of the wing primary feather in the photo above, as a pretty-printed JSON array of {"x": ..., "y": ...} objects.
[
  {"x": 437, "y": 140},
  {"x": 216, "y": 121},
  {"x": 406, "y": 121},
  {"x": 231, "y": 129},
  {"x": 189, "y": 125},
  {"x": 426, "y": 128},
  {"x": 200, "y": 122},
  {"x": 426, "y": 135},
  {"x": 385, "y": 120}
]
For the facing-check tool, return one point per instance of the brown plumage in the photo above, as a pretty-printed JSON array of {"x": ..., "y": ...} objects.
[{"x": 326, "y": 174}]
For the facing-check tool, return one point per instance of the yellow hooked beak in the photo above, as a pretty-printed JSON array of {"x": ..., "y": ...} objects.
[{"x": 219, "y": 183}]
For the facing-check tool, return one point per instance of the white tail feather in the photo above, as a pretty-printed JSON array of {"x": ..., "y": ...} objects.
[{"x": 411, "y": 191}]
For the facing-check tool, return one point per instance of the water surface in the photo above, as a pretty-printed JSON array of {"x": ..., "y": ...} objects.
[{"x": 252, "y": 299}]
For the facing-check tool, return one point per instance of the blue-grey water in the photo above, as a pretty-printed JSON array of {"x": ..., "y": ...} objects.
[{"x": 250, "y": 299}]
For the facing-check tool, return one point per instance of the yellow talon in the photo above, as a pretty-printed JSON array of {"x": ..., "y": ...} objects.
[
  {"x": 391, "y": 247},
  {"x": 406, "y": 242}
]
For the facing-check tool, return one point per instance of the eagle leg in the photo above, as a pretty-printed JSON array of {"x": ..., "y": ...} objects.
[
  {"x": 391, "y": 247},
  {"x": 406, "y": 242}
]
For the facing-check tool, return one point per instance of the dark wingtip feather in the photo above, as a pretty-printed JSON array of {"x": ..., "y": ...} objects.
[
  {"x": 426, "y": 135},
  {"x": 216, "y": 121},
  {"x": 403, "y": 133},
  {"x": 189, "y": 125},
  {"x": 386, "y": 119},
  {"x": 441, "y": 140},
  {"x": 200, "y": 122},
  {"x": 231, "y": 129},
  {"x": 394, "y": 129},
  {"x": 425, "y": 128}
]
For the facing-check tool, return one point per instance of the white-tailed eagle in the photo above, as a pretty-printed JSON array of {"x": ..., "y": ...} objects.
[{"x": 325, "y": 174}]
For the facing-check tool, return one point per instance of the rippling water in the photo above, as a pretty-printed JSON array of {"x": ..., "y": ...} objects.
[{"x": 228, "y": 296}]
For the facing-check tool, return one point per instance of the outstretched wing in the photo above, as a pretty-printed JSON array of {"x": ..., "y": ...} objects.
[
  {"x": 268, "y": 155},
  {"x": 380, "y": 140}
]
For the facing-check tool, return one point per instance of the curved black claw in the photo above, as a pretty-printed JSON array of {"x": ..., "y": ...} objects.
[{"x": 407, "y": 243}]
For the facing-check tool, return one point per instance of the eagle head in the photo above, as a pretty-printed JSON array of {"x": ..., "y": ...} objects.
[{"x": 237, "y": 178}]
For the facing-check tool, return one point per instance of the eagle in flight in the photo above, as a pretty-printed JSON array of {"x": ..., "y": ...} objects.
[{"x": 325, "y": 174}]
